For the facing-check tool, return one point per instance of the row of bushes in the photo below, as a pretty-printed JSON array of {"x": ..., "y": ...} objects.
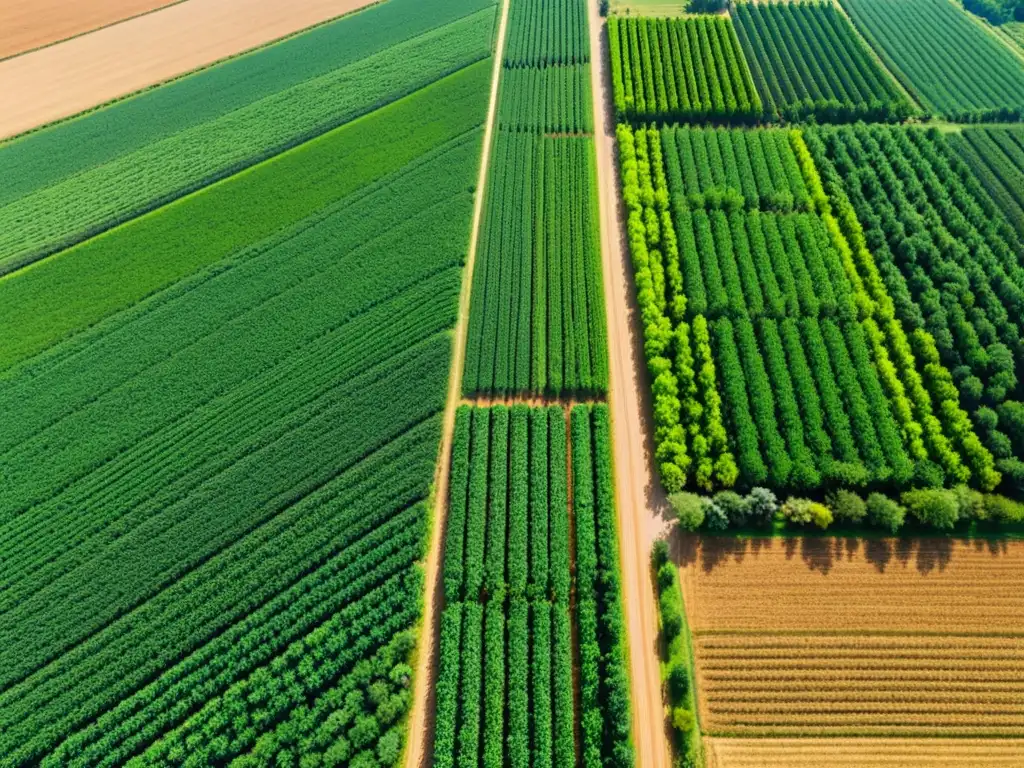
[
  {"x": 679, "y": 689},
  {"x": 938, "y": 508}
]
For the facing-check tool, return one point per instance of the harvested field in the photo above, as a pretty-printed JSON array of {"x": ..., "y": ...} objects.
[
  {"x": 82, "y": 73},
  {"x": 843, "y": 637},
  {"x": 29, "y": 24},
  {"x": 863, "y": 753}
]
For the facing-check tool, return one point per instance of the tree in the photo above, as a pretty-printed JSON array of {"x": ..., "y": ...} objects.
[
  {"x": 678, "y": 681},
  {"x": 885, "y": 512},
  {"x": 689, "y": 510},
  {"x": 847, "y": 506},
  {"x": 762, "y": 505},
  {"x": 936, "y": 507},
  {"x": 805, "y": 511}
]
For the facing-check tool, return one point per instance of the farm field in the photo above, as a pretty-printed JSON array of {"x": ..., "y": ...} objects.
[
  {"x": 1015, "y": 31},
  {"x": 201, "y": 141},
  {"x": 679, "y": 69},
  {"x": 86, "y": 71},
  {"x": 808, "y": 61},
  {"x": 996, "y": 156},
  {"x": 531, "y": 586},
  {"x": 841, "y": 637},
  {"x": 31, "y": 24},
  {"x": 950, "y": 64},
  {"x": 221, "y": 560},
  {"x": 863, "y": 752}
]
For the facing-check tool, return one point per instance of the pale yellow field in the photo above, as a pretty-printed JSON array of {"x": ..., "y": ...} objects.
[
  {"x": 863, "y": 753},
  {"x": 831, "y": 637}
]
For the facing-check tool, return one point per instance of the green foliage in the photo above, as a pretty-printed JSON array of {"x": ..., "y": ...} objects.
[
  {"x": 552, "y": 99},
  {"x": 933, "y": 506},
  {"x": 689, "y": 510},
  {"x": 847, "y": 506},
  {"x": 948, "y": 63},
  {"x": 65, "y": 294},
  {"x": 805, "y": 512},
  {"x": 546, "y": 32},
  {"x": 808, "y": 63},
  {"x": 680, "y": 69},
  {"x": 885, "y": 512}
]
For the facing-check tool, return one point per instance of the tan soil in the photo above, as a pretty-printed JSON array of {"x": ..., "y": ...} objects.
[
  {"x": 864, "y": 753},
  {"x": 845, "y": 637},
  {"x": 423, "y": 714},
  {"x": 639, "y": 498},
  {"x": 29, "y": 24},
  {"x": 87, "y": 71}
]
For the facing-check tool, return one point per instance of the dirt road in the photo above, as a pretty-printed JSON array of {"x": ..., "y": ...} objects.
[
  {"x": 86, "y": 71},
  {"x": 29, "y": 24},
  {"x": 421, "y": 719},
  {"x": 640, "y": 500}
]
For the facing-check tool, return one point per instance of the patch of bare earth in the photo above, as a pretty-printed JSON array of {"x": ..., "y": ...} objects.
[
  {"x": 87, "y": 71},
  {"x": 29, "y": 24},
  {"x": 846, "y": 637}
]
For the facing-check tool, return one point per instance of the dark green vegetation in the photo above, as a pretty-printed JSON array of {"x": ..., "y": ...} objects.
[
  {"x": 214, "y": 498},
  {"x": 537, "y": 319},
  {"x": 72, "y": 290},
  {"x": 807, "y": 61},
  {"x": 997, "y": 11},
  {"x": 505, "y": 690},
  {"x": 948, "y": 258},
  {"x": 947, "y": 62},
  {"x": 81, "y": 177},
  {"x": 680, "y": 69},
  {"x": 547, "y": 32},
  {"x": 996, "y": 156},
  {"x": 769, "y": 336}
]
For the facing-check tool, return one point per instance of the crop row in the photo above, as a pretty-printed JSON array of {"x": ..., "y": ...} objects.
[
  {"x": 996, "y": 156},
  {"x": 733, "y": 169},
  {"x": 807, "y": 61},
  {"x": 784, "y": 320},
  {"x": 162, "y": 247},
  {"x": 546, "y": 32},
  {"x": 240, "y": 518},
  {"x": 507, "y": 583},
  {"x": 680, "y": 69},
  {"x": 537, "y": 316},
  {"x": 553, "y": 99},
  {"x": 508, "y": 521},
  {"x": 60, "y": 215},
  {"x": 947, "y": 61},
  {"x": 948, "y": 258}
]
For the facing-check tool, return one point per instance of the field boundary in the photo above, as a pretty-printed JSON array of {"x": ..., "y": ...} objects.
[{"x": 421, "y": 721}]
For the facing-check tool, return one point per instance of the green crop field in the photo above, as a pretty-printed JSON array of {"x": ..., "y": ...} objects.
[
  {"x": 950, "y": 64},
  {"x": 996, "y": 156},
  {"x": 807, "y": 60},
  {"x": 513, "y": 623}
]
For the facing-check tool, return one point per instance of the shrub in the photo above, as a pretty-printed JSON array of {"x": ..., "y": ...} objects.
[
  {"x": 671, "y": 614},
  {"x": 847, "y": 506},
  {"x": 683, "y": 720},
  {"x": 1000, "y": 509},
  {"x": 666, "y": 576},
  {"x": 936, "y": 507},
  {"x": 715, "y": 517},
  {"x": 885, "y": 512},
  {"x": 733, "y": 506},
  {"x": 689, "y": 510},
  {"x": 659, "y": 553},
  {"x": 678, "y": 681},
  {"x": 805, "y": 511},
  {"x": 1012, "y": 470}
]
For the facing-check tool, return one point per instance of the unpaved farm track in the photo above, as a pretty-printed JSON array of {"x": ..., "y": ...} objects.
[
  {"x": 421, "y": 719},
  {"x": 29, "y": 24},
  {"x": 640, "y": 501},
  {"x": 79, "y": 74}
]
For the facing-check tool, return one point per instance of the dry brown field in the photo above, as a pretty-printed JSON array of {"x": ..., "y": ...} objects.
[
  {"x": 845, "y": 637},
  {"x": 29, "y": 24},
  {"x": 863, "y": 753},
  {"x": 82, "y": 73}
]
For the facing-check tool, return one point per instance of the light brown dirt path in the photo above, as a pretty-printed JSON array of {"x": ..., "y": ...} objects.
[
  {"x": 84, "y": 72},
  {"x": 421, "y": 719},
  {"x": 638, "y": 494},
  {"x": 29, "y": 24}
]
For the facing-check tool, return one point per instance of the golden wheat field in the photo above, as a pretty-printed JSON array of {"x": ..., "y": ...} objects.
[
  {"x": 864, "y": 753},
  {"x": 835, "y": 637}
]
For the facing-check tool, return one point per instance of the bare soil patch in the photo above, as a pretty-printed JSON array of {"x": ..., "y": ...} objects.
[
  {"x": 847, "y": 637},
  {"x": 29, "y": 24},
  {"x": 87, "y": 71}
]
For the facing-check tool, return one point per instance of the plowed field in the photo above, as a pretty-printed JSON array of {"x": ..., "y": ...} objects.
[
  {"x": 829, "y": 637},
  {"x": 864, "y": 753}
]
